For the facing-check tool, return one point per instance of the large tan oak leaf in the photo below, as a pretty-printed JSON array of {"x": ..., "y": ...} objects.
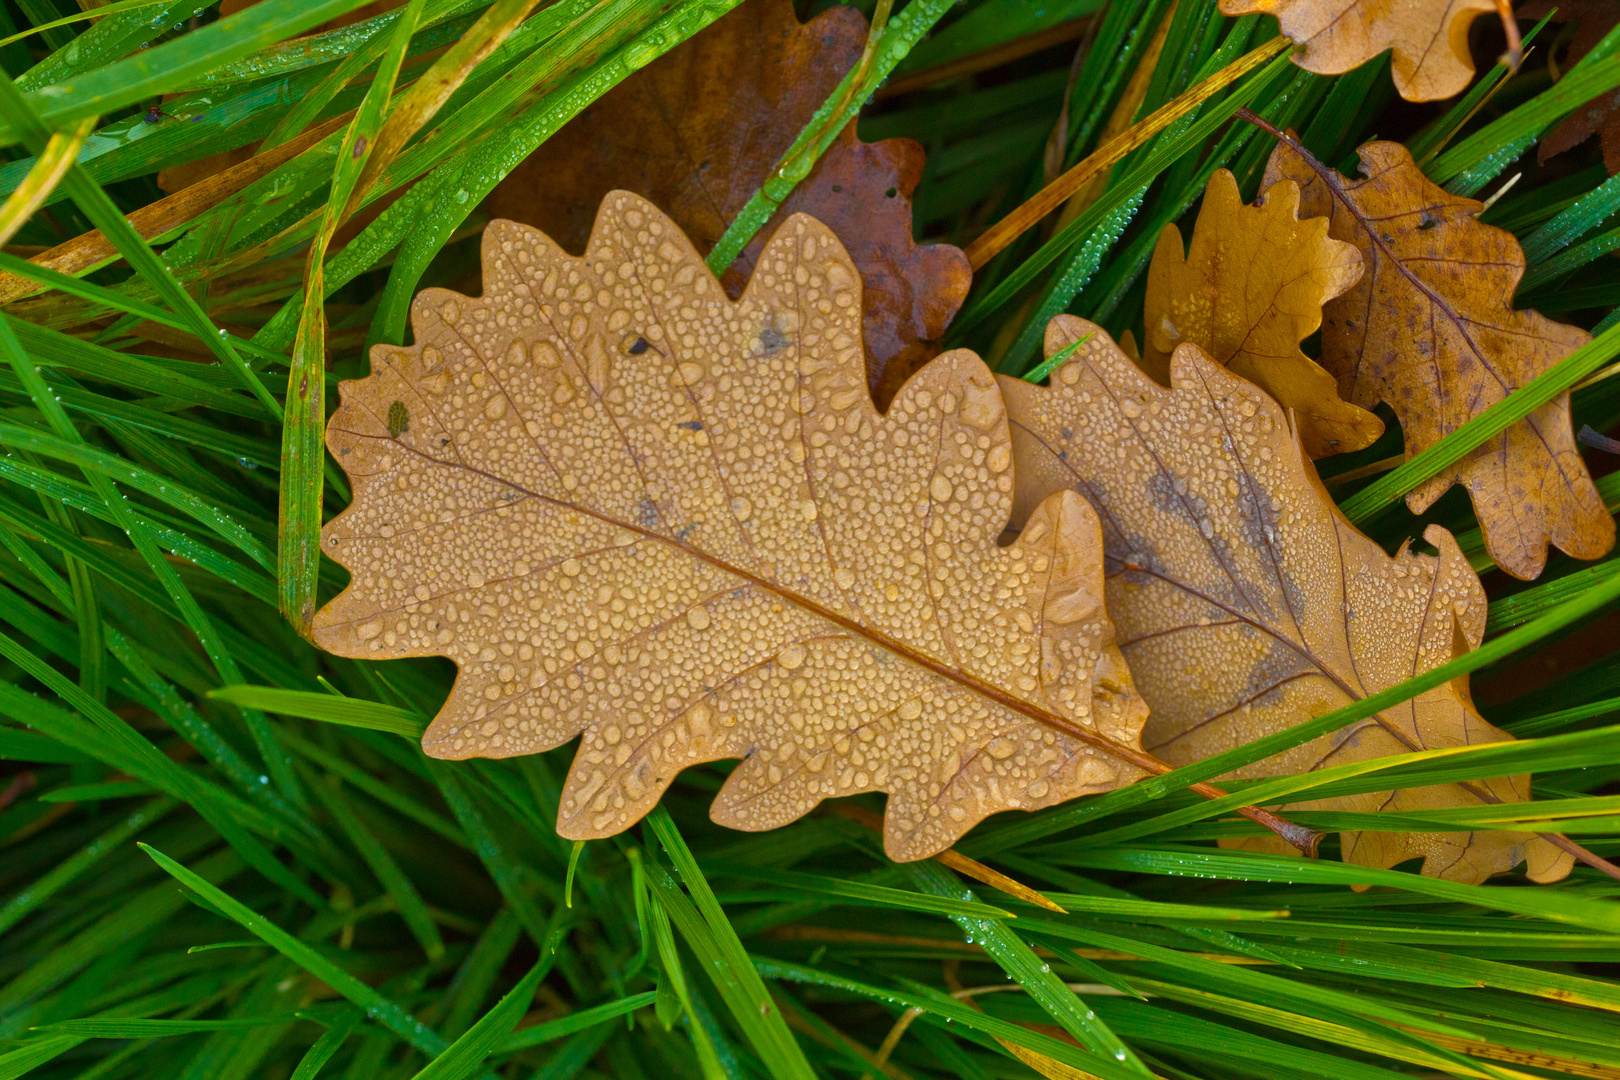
[
  {"x": 1431, "y": 329},
  {"x": 633, "y": 510},
  {"x": 1431, "y": 59},
  {"x": 1250, "y": 290},
  {"x": 1246, "y": 604}
]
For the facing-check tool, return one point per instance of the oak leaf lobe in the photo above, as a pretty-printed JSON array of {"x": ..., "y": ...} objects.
[
  {"x": 1429, "y": 38},
  {"x": 1431, "y": 329},
  {"x": 632, "y": 509},
  {"x": 699, "y": 129},
  {"x": 1245, "y": 602},
  {"x": 1248, "y": 292}
]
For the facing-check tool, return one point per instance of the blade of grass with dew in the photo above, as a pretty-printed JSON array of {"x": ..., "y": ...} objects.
[
  {"x": 1595, "y": 75},
  {"x": 101, "y": 210},
  {"x": 894, "y": 43},
  {"x": 276, "y": 761},
  {"x": 303, "y": 433},
  {"x": 956, "y": 1012},
  {"x": 1019, "y": 961},
  {"x": 1126, "y": 187},
  {"x": 493, "y": 1029},
  {"x": 863, "y": 892},
  {"x": 171, "y": 65},
  {"x": 730, "y": 966},
  {"x": 379, "y": 1008}
]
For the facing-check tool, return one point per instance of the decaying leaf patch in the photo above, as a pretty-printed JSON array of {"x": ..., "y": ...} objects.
[
  {"x": 1249, "y": 291},
  {"x": 1429, "y": 38},
  {"x": 1431, "y": 329},
  {"x": 699, "y": 129},
  {"x": 632, "y": 509},
  {"x": 1246, "y": 603}
]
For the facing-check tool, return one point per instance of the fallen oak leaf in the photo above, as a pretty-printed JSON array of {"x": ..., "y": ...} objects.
[
  {"x": 630, "y": 508},
  {"x": 1249, "y": 291},
  {"x": 1429, "y": 38},
  {"x": 1246, "y": 603},
  {"x": 699, "y": 129},
  {"x": 1431, "y": 329}
]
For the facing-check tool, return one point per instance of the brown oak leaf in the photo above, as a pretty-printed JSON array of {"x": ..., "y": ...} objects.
[
  {"x": 1429, "y": 38},
  {"x": 1431, "y": 329},
  {"x": 1246, "y": 603},
  {"x": 1593, "y": 20},
  {"x": 1250, "y": 290},
  {"x": 698, "y": 130},
  {"x": 632, "y": 509}
]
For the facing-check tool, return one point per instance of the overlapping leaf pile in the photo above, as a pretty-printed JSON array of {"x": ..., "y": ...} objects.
[{"x": 630, "y": 508}]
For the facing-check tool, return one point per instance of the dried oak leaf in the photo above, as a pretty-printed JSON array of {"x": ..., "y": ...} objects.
[
  {"x": 1248, "y": 293},
  {"x": 1245, "y": 603},
  {"x": 699, "y": 129},
  {"x": 630, "y": 508},
  {"x": 1430, "y": 328},
  {"x": 1593, "y": 20},
  {"x": 1429, "y": 37}
]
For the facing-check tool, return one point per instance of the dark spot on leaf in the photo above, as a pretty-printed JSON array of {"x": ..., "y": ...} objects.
[
  {"x": 1427, "y": 222},
  {"x": 637, "y": 347},
  {"x": 891, "y": 193},
  {"x": 773, "y": 340},
  {"x": 838, "y": 187},
  {"x": 359, "y": 147},
  {"x": 399, "y": 420},
  {"x": 647, "y": 513},
  {"x": 692, "y": 425}
]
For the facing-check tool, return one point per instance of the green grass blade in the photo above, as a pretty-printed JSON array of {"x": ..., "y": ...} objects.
[
  {"x": 375, "y": 1005},
  {"x": 465, "y": 1055},
  {"x": 732, "y": 968}
]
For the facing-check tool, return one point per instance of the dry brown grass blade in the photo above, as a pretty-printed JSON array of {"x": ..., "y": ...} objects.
[
  {"x": 1567, "y": 1066},
  {"x": 631, "y": 509},
  {"x": 1429, "y": 38},
  {"x": 1248, "y": 292},
  {"x": 53, "y": 164},
  {"x": 1041, "y": 1063},
  {"x": 89, "y": 250},
  {"x": 428, "y": 94},
  {"x": 1053, "y": 195},
  {"x": 1118, "y": 121},
  {"x": 954, "y": 859},
  {"x": 1248, "y": 604}
]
